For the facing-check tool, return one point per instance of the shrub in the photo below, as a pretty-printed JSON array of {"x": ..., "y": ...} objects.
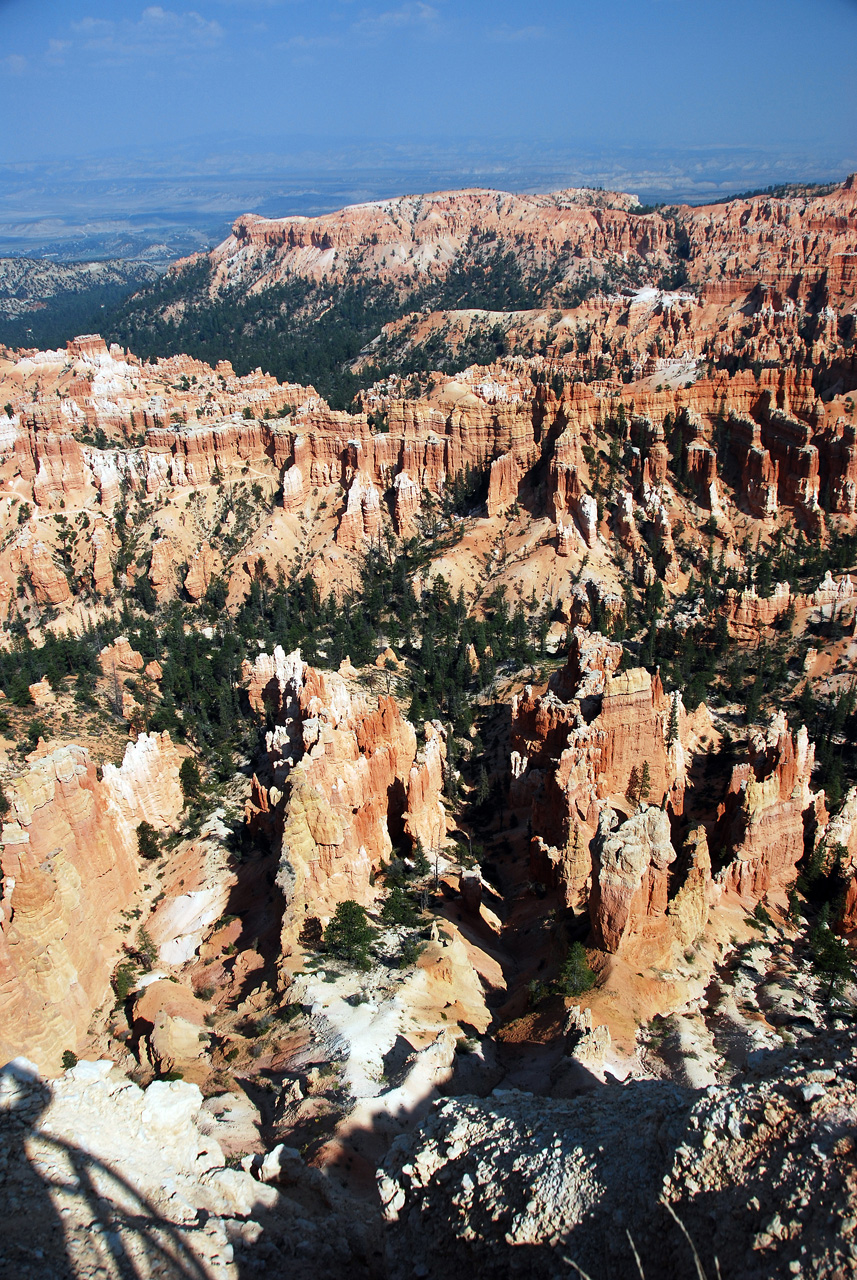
[
  {"x": 762, "y": 914},
  {"x": 189, "y": 777},
  {"x": 148, "y": 844},
  {"x": 69, "y": 1059},
  {"x": 422, "y": 866},
  {"x": 399, "y": 908},
  {"x": 831, "y": 957},
  {"x": 536, "y": 992},
  {"x": 146, "y": 948},
  {"x": 349, "y": 934},
  {"x": 123, "y": 980},
  {"x": 576, "y": 975},
  {"x": 288, "y": 1012},
  {"x": 409, "y": 951}
]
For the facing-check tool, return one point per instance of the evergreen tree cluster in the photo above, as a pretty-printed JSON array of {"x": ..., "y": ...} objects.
[
  {"x": 831, "y": 724},
  {"x": 58, "y": 658},
  {"x": 200, "y": 684},
  {"x": 432, "y": 630},
  {"x": 298, "y": 330},
  {"x": 309, "y": 331},
  {"x": 66, "y": 313}
]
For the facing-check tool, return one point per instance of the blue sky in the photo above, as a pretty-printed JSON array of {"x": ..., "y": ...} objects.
[
  {"x": 680, "y": 97},
  {"x": 90, "y": 75}
]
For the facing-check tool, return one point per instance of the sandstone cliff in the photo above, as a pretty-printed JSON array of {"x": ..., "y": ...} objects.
[
  {"x": 783, "y": 246},
  {"x": 217, "y": 491},
  {"x": 631, "y": 882},
  {"x": 70, "y": 866},
  {"x": 770, "y": 814},
  {"x": 350, "y": 784},
  {"x": 575, "y": 748}
]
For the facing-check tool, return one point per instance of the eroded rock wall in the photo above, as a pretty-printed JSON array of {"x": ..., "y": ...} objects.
[
  {"x": 770, "y": 815},
  {"x": 580, "y": 754},
  {"x": 69, "y": 867},
  {"x": 580, "y": 747},
  {"x": 350, "y": 784}
]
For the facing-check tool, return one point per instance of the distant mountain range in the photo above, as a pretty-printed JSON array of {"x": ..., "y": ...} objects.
[
  {"x": 157, "y": 206},
  {"x": 42, "y": 303},
  {"x": 380, "y": 288}
]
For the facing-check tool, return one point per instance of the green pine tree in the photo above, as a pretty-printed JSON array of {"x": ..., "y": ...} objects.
[
  {"x": 399, "y": 908},
  {"x": 349, "y": 935},
  {"x": 483, "y": 786},
  {"x": 576, "y": 976},
  {"x": 633, "y": 787},
  {"x": 422, "y": 866},
  {"x": 831, "y": 956},
  {"x": 148, "y": 844},
  {"x": 190, "y": 779}
]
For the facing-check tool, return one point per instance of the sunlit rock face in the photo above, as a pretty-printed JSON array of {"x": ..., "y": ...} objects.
[
  {"x": 632, "y": 875},
  {"x": 579, "y": 752},
  {"x": 70, "y": 865},
  {"x": 575, "y": 748},
  {"x": 350, "y": 784},
  {"x": 770, "y": 813}
]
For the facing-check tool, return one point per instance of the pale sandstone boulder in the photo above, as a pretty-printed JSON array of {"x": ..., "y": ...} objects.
[
  {"x": 171, "y": 1020},
  {"x": 119, "y": 655},
  {"x": 42, "y": 693}
]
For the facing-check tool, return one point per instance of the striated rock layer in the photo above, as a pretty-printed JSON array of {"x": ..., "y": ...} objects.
[
  {"x": 766, "y": 436},
  {"x": 350, "y": 785},
  {"x": 770, "y": 813},
  {"x": 580, "y": 753},
  {"x": 579, "y": 747},
  {"x": 204, "y": 475},
  {"x": 70, "y": 865},
  {"x": 785, "y": 246}
]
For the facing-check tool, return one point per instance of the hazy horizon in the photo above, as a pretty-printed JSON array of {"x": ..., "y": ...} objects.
[
  {"x": 123, "y": 205},
  {"x": 134, "y": 125}
]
